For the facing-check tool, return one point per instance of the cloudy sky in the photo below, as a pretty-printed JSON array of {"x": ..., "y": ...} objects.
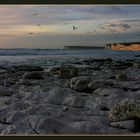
[{"x": 51, "y": 26}]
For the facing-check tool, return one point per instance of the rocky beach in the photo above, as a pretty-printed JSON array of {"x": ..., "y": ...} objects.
[{"x": 79, "y": 96}]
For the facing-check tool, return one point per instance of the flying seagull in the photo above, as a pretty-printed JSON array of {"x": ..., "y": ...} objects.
[
  {"x": 74, "y": 28},
  {"x": 92, "y": 10},
  {"x": 31, "y": 33},
  {"x": 34, "y": 14}
]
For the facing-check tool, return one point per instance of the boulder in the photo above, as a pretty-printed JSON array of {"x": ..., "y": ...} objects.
[
  {"x": 68, "y": 71},
  {"x": 93, "y": 85},
  {"x": 33, "y": 75},
  {"x": 136, "y": 65},
  {"x": 126, "y": 109},
  {"x": 121, "y": 77},
  {"x": 119, "y": 64},
  {"x": 75, "y": 79},
  {"x": 102, "y": 91},
  {"x": 80, "y": 83},
  {"x": 5, "y": 92},
  {"x": 96, "y": 66},
  {"x": 131, "y": 125},
  {"x": 53, "y": 70}
]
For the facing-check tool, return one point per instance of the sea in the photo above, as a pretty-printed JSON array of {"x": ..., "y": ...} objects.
[{"x": 47, "y": 57}]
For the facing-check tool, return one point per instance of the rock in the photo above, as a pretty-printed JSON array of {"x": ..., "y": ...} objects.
[
  {"x": 86, "y": 62},
  {"x": 114, "y": 98},
  {"x": 28, "y": 68},
  {"x": 131, "y": 125},
  {"x": 121, "y": 77},
  {"x": 75, "y": 79},
  {"x": 67, "y": 83},
  {"x": 5, "y": 100},
  {"x": 96, "y": 66},
  {"x": 68, "y": 71},
  {"x": 80, "y": 83},
  {"x": 136, "y": 65},
  {"x": 5, "y": 92},
  {"x": 54, "y": 69},
  {"x": 93, "y": 85},
  {"x": 2, "y": 71},
  {"x": 124, "y": 110},
  {"x": 15, "y": 116},
  {"x": 103, "y": 108},
  {"x": 106, "y": 91},
  {"x": 65, "y": 97},
  {"x": 33, "y": 75},
  {"x": 119, "y": 64},
  {"x": 65, "y": 108},
  {"x": 50, "y": 126}
]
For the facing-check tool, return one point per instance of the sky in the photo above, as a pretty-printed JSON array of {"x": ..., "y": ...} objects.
[{"x": 56, "y": 26}]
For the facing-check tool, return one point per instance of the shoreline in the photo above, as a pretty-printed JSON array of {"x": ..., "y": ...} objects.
[{"x": 88, "y": 96}]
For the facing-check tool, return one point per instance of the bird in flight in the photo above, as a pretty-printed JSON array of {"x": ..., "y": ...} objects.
[
  {"x": 92, "y": 10},
  {"x": 34, "y": 14},
  {"x": 31, "y": 33},
  {"x": 74, "y": 28}
]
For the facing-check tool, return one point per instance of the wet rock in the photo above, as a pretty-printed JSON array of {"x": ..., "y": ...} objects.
[
  {"x": 93, "y": 85},
  {"x": 67, "y": 83},
  {"x": 136, "y": 65},
  {"x": 105, "y": 91},
  {"x": 75, "y": 79},
  {"x": 28, "y": 68},
  {"x": 121, "y": 77},
  {"x": 96, "y": 66},
  {"x": 33, "y": 75},
  {"x": 105, "y": 108},
  {"x": 124, "y": 110},
  {"x": 4, "y": 121},
  {"x": 5, "y": 92},
  {"x": 137, "y": 55},
  {"x": 15, "y": 116},
  {"x": 113, "y": 99},
  {"x": 53, "y": 69},
  {"x": 22, "y": 127},
  {"x": 108, "y": 61},
  {"x": 80, "y": 83},
  {"x": 5, "y": 100},
  {"x": 65, "y": 108},
  {"x": 131, "y": 125},
  {"x": 68, "y": 71},
  {"x": 119, "y": 64},
  {"x": 60, "y": 96},
  {"x": 86, "y": 62},
  {"x": 50, "y": 125}
]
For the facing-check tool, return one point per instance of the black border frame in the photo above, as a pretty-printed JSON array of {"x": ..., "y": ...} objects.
[
  {"x": 65, "y": 2},
  {"x": 69, "y": 1}
]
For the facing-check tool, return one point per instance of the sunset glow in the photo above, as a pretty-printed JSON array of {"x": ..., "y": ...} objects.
[{"x": 34, "y": 26}]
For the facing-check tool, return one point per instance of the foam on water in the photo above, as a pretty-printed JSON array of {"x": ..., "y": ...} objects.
[{"x": 44, "y": 56}]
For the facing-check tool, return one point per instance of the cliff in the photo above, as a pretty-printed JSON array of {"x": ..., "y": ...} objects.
[
  {"x": 84, "y": 47},
  {"x": 124, "y": 46}
]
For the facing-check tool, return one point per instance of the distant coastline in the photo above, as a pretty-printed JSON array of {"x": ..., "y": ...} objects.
[{"x": 84, "y": 47}]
